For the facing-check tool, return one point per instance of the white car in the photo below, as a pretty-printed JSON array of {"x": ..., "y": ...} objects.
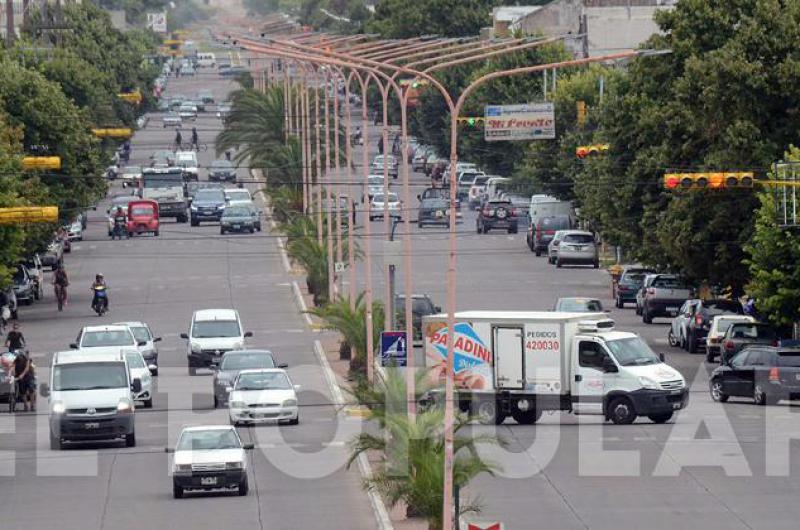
[
  {"x": 719, "y": 326},
  {"x": 188, "y": 161},
  {"x": 138, "y": 370},
  {"x": 374, "y": 186},
  {"x": 130, "y": 175},
  {"x": 187, "y": 112},
  {"x": 263, "y": 396},
  {"x": 235, "y": 196},
  {"x": 171, "y": 119},
  {"x": 381, "y": 202},
  {"x": 75, "y": 232},
  {"x": 213, "y": 332},
  {"x": 149, "y": 350},
  {"x": 209, "y": 457},
  {"x": 106, "y": 339}
]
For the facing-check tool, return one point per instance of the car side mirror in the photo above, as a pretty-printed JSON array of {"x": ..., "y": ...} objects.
[
  {"x": 609, "y": 366},
  {"x": 142, "y": 343},
  {"x": 283, "y": 365},
  {"x": 157, "y": 339},
  {"x": 136, "y": 385},
  {"x": 248, "y": 333},
  {"x": 662, "y": 357},
  {"x": 248, "y": 447},
  {"x": 185, "y": 336},
  {"x": 169, "y": 450},
  {"x": 419, "y": 197},
  {"x": 437, "y": 309},
  {"x": 73, "y": 346},
  {"x": 213, "y": 367},
  {"x": 44, "y": 390},
  {"x": 297, "y": 388}
]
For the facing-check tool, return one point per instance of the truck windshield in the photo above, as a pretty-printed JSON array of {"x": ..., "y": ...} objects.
[
  {"x": 164, "y": 180},
  {"x": 90, "y": 376},
  {"x": 632, "y": 351}
]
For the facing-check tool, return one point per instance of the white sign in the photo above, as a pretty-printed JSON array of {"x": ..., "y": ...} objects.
[
  {"x": 530, "y": 121},
  {"x": 339, "y": 266},
  {"x": 157, "y": 22}
]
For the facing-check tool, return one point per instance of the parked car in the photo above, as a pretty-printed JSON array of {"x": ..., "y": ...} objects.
[
  {"x": 578, "y": 247},
  {"x": 380, "y": 203},
  {"x": 498, "y": 213},
  {"x": 36, "y": 272},
  {"x": 664, "y": 297},
  {"x": 648, "y": 279},
  {"x": 742, "y": 335},
  {"x": 678, "y": 327},
  {"x": 767, "y": 374},
  {"x": 206, "y": 96},
  {"x": 579, "y": 305},
  {"x": 222, "y": 170},
  {"x": 24, "y": 286},
  {"x": 540, "y": 235},
  {"x": 630, "y": 281},
  {"x": 719, "y": 326},
  {"x": 54, "y": 254},
  {"x": 75, "y": 231},
  {"x": 702, "y": 311}
]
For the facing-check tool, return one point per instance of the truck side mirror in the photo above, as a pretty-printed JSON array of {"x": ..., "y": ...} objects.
[
  {"x": 609, "y": 366},
  {"x": 157, "y": 339}
]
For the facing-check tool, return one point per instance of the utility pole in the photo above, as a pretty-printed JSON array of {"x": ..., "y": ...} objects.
[{"x": 10, "y": 35}]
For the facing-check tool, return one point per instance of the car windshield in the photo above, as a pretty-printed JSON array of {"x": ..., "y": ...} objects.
[
  {"x": 380, "y": 197},
  {"x": 237, "y": 211},
  {"x": 238, "y": 195},
  {"x": 375, "y": 181},
  {"x": 135, "y": 360},
  {"x": 263, "y": 381},
  {"x": 132, "y": 169},
  {"x": 554, "y": 223},
  {"x": 142, "y": 210},
  {"x": 480, "y": 181},
  {"x": 751, "y": 331},
  {"x": 205, "y": 329},
  {"x": 140, "y": 333},
  {"x": 92, "y": 339},
  {"x": 669, "y": 282},
  {"x": 633, "y": 277},
  {"x": 632, "y": 351},
  {"x": 221, "y": 164},
  {"x": 19, "y": 276},
  {"x": 500, "y": 204},
  {"x": 579, "y": 305},
  {"x": 210, "y": 196},
  {"x": 789, "y": 359},
  {"x": 208, "y": 440},
  {"x": 579, "y": 238},
  {"x": 89, "y": 376},
  {"x": 467, "y": 179},
  {"x": 245, "y": 361},
  {"x": 435, "y": 203}
]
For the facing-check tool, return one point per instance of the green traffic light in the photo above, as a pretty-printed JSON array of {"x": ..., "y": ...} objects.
[{"x": 471, "y": 121}]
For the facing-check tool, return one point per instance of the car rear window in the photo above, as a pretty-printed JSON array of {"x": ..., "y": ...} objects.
[
  {"x": 722, "y": 306},
  {"x": 667, "y": 282},
  {"x": 752, "y": 331},
  {"x": 554, "y": 223},
  {"x": 578, "y": 238},
  {"x": 480, "y": 181},
  {"x": 789, "y": 359}
]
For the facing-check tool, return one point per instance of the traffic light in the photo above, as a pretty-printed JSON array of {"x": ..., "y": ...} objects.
[
  {"x": 472, "y": 121},
  {"x": 715, "y": 180},
  {"x": 581, "y": 110},
  {"x": 41, "y": 162},
  {"x": 582, "y": 151}
]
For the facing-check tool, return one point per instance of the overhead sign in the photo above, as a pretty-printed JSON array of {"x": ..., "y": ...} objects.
[
  {"x": 28, "y": 214},
  {"x": 41, "y": 162},
  {"x": 131, "y": 97},
  {"x": 530, "y": 121},
  {"x": 339, "y": 267},
  {"x": 157, "y": 22},
  {"x": 394, "y": 350},
  {"x": 113, "y": 133}
]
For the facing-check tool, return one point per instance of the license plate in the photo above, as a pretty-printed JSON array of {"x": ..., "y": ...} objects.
[
  {"x": 208, "y": 481},
  {"x": 91, "y": 425},
  {"x": 672, "y": 309},
  {"x": 676, "y": 406},
  {"x": 237, "y": 227}
]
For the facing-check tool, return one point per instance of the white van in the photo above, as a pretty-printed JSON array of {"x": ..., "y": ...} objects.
[
  {"x": 206, "y": 60},
  {"x": 494, "y": 186},
  {"x": 521, "y": 363},
  {"x": 213, "y": 332},
  {"x": 90, "y": 397}
]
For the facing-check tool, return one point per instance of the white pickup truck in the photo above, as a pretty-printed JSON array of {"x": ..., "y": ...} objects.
[{"x": 519, "y": 364}]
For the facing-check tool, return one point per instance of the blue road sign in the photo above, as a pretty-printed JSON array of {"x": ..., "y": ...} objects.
[{"x": 394, "y": 348}]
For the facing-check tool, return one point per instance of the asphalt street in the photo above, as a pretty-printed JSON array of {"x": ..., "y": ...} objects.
[{"x": 297, "y": 473}]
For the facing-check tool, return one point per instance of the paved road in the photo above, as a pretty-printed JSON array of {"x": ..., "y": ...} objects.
[
  {"x": 297, "y": 475},
  {"x": 708, "y": 468}
]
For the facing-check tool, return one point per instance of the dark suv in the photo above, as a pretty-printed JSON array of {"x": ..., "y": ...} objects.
[
  {"x": 497, "y": 213},
  {"x": 208, "y": 205},
  {"x": 540, "y": 236},
  {"x": 629, "y": 284},
  {"x": 704, "y": 312},
  {"x": 222, "y": 170},
  {"x": 764, "y": 373}
]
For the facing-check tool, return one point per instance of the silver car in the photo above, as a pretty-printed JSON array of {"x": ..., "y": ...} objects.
[
  {"x": 171, "y": 119},
  {"x": 381, "y": 203},
  {"x": 578, "y": 247},
  {"x": 552, "y": 247},
  {"x": 234, "y": 362}
]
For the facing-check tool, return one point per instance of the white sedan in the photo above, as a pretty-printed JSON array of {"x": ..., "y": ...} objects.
[
  {"x": 263, "y": 396},
  {"x": 209, "y": 457},
  {"x": 139, "y": 370},
  {"x": 380, "y": 202}
]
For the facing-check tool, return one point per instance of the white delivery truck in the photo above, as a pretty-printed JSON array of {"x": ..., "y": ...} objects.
[{"x": 521, "y": 363}]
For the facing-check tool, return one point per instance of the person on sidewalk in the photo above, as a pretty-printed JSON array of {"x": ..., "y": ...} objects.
[{"x": 23, "y": 373}]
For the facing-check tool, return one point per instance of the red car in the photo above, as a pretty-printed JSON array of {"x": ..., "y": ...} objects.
[{"x": 142, "y": 217}]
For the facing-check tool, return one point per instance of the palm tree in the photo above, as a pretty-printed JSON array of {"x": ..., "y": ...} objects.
[
  {"x": 417, "y": 478},
  {"x": 389, "y": 387},
  {"x": 255, "y": 126}
]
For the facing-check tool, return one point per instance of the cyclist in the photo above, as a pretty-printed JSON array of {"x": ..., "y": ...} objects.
[{"x": 195, "y": 140}]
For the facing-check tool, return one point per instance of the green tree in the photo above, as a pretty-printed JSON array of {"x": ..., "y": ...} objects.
[
  {"x": 774, "y": 260},
  {"x": 401, "y": 19},
  {"x": 12, "y": 237}
]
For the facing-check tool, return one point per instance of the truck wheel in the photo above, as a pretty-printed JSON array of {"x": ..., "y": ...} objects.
[
  {"x": 671, "y": 337},
  {"x": 661, "y": 418},
  {"x": 195, "y": 223},
  {"x": 620, "y": 304},
  {"x": 177, "y": 491},
  {"x": 130, "y": 440},
  {"x": 243, "y": 487},
  {"x": 538, "y": 252},
  {"x": 646, "y": 318},
  {"x": 621, "y": 412},
  {"x": 526, "y": 417},
  {"x": 486, "y": 412}
]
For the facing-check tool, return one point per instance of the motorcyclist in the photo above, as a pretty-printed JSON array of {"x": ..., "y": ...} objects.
[
  {"x": 15, "y": 340},
  {"x": 195, "y": 139},
  {"x": 178, "y": 139},
  {"x": 99, "y": 281},
  {"x": 119, "y": 221}
]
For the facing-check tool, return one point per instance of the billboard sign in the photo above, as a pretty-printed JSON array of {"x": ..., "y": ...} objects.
[
  {"x": 394, "y": 348},
  {"x": 157, "y": 22},
  {"x": 528, "y": 121}
]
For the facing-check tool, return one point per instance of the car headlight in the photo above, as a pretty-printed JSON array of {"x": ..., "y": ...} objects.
[
  {"x": 196, "y": 348},
  {"x": 182, "y": 467},
  {"x": 648, "y": 383},
  {"x": 193, "y": 208},
  {"x": 58, "y": 408},
  {"x": 233, "y": 465},
  {"x": 290, "y": 403},
  {"x": 237, "y": 404},
  {"x": 125, "y": 406}
]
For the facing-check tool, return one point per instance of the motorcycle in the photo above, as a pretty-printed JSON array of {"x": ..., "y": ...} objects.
[
  {"x": 100, "y": 301},
  {"x": 61, "y": 295},
  {"x": 120, "y": 228},
  {"x": 356, "y": 139}
]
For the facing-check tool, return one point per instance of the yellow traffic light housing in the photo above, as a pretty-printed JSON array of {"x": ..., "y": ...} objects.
[
  {"x": 28, "y": 214},
  {"x": 41, "y": 162},
  {"x": 715, "y": 180},
  {"x": 120, "y": 132}
]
